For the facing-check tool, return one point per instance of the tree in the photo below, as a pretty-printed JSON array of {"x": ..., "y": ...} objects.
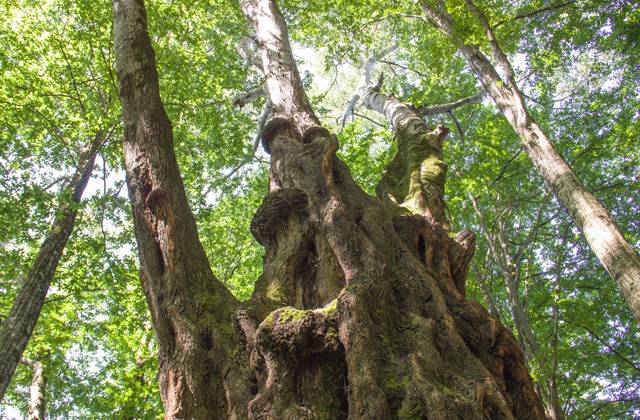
[
  {"x": 17, "y": 328},
  {"x": 356, "y": 291},
  {"x": 575, "y": 63},
  {"x": 37, "y": 391},
  {"x": 600, "y": 230}
]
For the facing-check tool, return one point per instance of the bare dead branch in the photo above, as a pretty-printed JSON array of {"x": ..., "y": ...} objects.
[{"x": 365, "y": 81}]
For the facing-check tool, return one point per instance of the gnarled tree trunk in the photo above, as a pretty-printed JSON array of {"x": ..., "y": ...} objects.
[
  {"x": 190, "y": 309},
  {"x": 360, "y": 311}
]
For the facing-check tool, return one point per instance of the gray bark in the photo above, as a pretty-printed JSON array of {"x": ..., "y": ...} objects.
[
  {"x": 448, "y": 107},
  {"x": 36, "y": 390},
  {"x": 598, "y": 227},
  {"x": 16, "y": 330}
]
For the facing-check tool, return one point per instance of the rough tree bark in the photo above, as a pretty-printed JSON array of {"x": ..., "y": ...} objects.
[
  {"x": 191, "y": 310},
  {"x": 360, "y": 310},
  {"x": 599, "y": 229},
  {"x": 17, "y": 328},
  {"x": 36, "y": 390}
]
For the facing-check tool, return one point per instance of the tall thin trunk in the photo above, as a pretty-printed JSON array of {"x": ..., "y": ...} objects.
[
  {"x": 486, "y": 290},
  {"x": 498, "y": 247},
  {"x": 191, "y": 310},
  {"x": 36, "y": 390},
  {"x": 16, "y": 330},
  {"x": 510, "y": 268},
  {"x": 555, "y": 406},
  {"x": 598, "y": 227},
  {"x": 554, "y": 409}
]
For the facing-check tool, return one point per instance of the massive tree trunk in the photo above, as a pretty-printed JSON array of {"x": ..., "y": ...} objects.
[
  {"x": 17, "y": 328},
  {"x": 360, "y": 310},
  {"x": 599, "y": 229}
]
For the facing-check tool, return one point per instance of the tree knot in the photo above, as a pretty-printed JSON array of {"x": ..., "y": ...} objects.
[
  {"x": 275, "y": 211},
  {"x": 278, "y": 127}
]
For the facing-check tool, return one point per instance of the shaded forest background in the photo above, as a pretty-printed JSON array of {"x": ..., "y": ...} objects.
[{"x": 577, "y": 62}]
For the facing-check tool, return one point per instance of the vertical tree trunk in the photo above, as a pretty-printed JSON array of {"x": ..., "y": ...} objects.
[
  {"x": 37, "y": 390},
  {"x": 191, "y": 310},
  {"x": 499, "y": 249},
  {"x": 16, "y": 330},
  {"x": 599, "y": 229},
  {"x": 485, "y": 289},
  {"x": 510, "y": 267}
]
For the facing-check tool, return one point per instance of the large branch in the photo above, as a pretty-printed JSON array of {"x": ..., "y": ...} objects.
[
  {"x": 19, "y": 325},
  {"x": 598, "y": 227},
  {"x": 365, "y": 82},
  {"x": 493, "y": 42},
  {"x": 535, "y": 12},
  {"x": 283, "y": 82},
  {"x": 419, "y": 158}
]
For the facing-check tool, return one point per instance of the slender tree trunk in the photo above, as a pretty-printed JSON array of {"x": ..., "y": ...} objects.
[
  {"x": 510, "y": 267},
  {"x": 486, "y": 290},
  {"x": 360, "y": 310},
  {"x": 191, "y": 310},
  {"x": 599, "y": 229},
  {"x": 16, "y": 330},
  {"x": 37, "y": 390}
]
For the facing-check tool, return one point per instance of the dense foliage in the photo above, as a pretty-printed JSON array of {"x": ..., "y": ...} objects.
[{"x": 578, "y": 63}]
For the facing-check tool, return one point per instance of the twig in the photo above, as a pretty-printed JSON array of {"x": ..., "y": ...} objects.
[
  {"x": 369, "y": 119},
  {"x": 458, "y": 126}
]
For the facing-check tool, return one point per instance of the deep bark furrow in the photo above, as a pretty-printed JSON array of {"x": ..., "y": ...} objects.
[{"x": 192, "y": 311}]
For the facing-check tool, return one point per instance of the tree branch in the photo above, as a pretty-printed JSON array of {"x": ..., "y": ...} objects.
[
  {"x": 534, "y": 12},
  {"x": 250, "y": 96},
  {"x": 493, "y": 42},
  {"x": 602, "y": 341},
  {"x": 365, "y": 81},
  {"x": 447, "y": 107}
]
